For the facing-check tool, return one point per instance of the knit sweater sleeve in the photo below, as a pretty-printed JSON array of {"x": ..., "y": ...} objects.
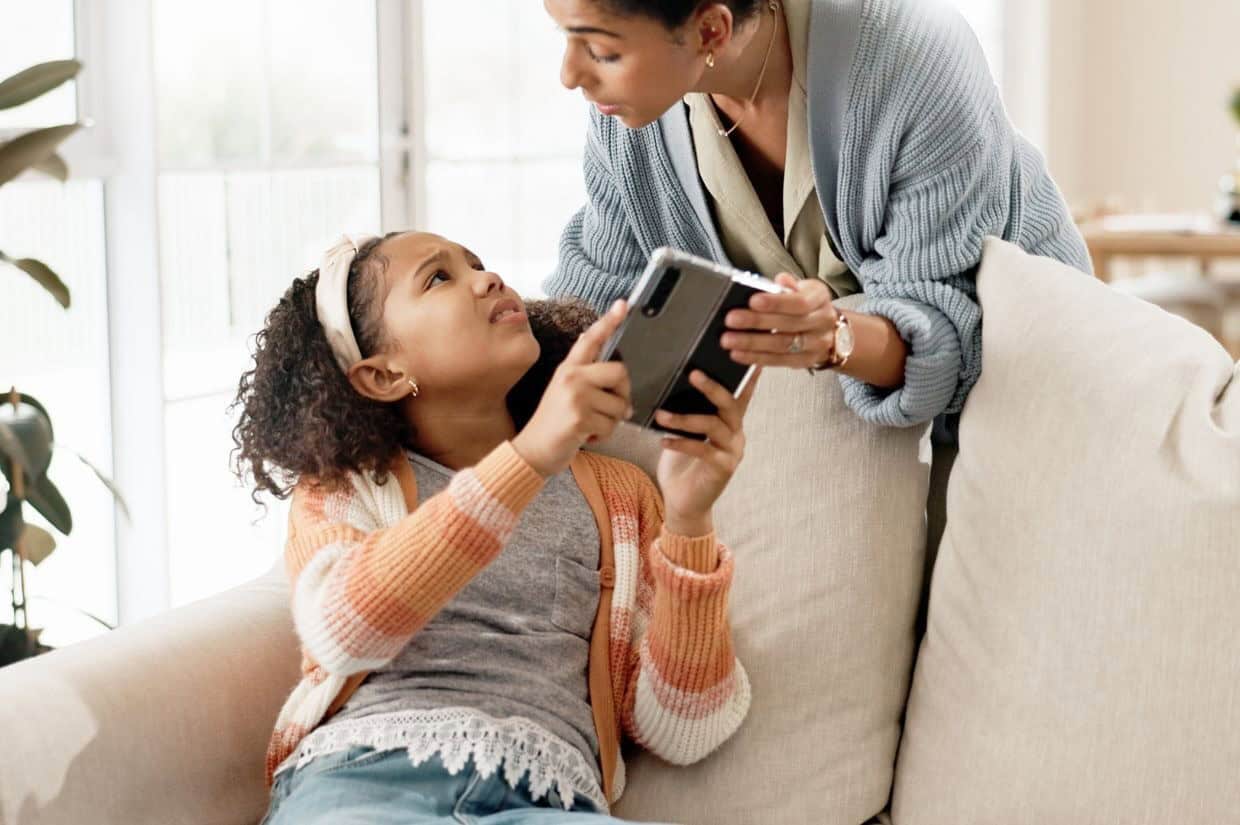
[
  {"x": 360, "y": 589},
  {"x": 686, "y": 692},
  {"x": 931, "y": 167},
  {"x": 599, "y": 260}
]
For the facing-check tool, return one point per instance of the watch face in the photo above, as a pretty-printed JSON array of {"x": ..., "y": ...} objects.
[{"x": 844, "y": 340}]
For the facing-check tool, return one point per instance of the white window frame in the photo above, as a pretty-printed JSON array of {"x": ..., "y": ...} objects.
[{"x": 116, "y": 91}]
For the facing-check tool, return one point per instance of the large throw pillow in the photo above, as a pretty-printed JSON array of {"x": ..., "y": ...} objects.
[
  {"x": 1082, "y": 660},
  {"x": 826, "y": 517}
]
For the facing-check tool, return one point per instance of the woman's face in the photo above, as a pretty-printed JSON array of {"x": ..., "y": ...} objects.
[
  {"x": 451, "y": 324},
  {"x": 631, "y": 67}
]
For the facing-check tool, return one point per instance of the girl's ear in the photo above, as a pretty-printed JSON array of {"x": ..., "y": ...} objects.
[{"x": 379, "y": 380}]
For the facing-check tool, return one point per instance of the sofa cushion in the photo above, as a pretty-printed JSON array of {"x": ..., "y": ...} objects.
[
  {"x": 1082, "y": 660},
  {"x": 826, "y": 517}
]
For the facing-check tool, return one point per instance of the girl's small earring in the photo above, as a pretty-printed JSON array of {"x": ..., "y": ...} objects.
[
  {"x": 710, "y": 60},
  {"x": 413, "y": 385}
]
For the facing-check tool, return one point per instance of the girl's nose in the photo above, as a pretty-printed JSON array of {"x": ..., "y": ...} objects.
[{"x": 488, "y": 282}]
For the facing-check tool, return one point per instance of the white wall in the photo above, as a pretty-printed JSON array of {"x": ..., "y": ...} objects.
[{"x": 1137, "y": 99}]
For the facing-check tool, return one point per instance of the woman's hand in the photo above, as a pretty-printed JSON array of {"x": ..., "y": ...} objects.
[
  {"x": 693, "y": 474},
  {"x": 583, "y": 402},
  {"x": 773, "y": 322}
]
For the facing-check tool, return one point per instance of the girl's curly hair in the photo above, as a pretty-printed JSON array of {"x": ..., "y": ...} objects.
[{"x": 300, "y": 416}]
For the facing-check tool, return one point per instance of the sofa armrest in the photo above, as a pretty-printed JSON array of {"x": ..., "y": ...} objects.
[{"x": 165, "y": 721}]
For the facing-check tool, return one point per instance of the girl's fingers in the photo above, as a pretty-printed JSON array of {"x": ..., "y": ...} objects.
[
  {"x": 612, "y": 376},
  {"x": 701, "y": 450},
  {"x": 613, "y": 406},
  {"x": 717, "y": 394},
  {"x": 711, "y": 426},
  {"x": 590, "y": 343},
  {"x": 599, "y": 426}
]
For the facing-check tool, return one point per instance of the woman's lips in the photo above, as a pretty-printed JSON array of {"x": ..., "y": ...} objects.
[{"x": 607, "y": 109}]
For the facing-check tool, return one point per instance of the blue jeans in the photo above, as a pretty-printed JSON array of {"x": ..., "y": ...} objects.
[{"x": 363, "y": 786}]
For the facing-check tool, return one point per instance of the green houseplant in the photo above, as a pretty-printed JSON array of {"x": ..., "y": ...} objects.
[
  {"x": 26, "y": 441},
  {"x": 36, "y": 150}
]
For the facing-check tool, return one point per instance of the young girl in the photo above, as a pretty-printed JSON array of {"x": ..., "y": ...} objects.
[{"x": 483, "y": 608}]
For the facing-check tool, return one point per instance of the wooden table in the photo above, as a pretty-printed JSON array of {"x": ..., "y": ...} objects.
[{"x": 1202, "y": 239}]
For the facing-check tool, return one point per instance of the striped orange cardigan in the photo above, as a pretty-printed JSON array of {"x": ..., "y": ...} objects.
[{"x": 369, "y": 567}]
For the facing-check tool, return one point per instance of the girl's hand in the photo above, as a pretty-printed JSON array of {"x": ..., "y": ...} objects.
[
  {"x": 692, "y": 474},
  {"x": 584, "y": 401},
  {"x": 773, "y": 322}
]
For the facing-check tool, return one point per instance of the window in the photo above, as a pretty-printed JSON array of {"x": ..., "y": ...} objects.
[
  {"x": 59, "y": 356},
  {"x": 264, "y": 158},
  {"x": 502, "y": 160}
]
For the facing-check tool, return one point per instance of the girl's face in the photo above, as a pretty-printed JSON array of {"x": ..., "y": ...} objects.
[
  {"x": 631, "y": 67},
  {"x": 450, "y": 324}
]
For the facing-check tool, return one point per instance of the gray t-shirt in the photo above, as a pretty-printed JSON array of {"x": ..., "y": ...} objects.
[{"x": 515, "y": 641}]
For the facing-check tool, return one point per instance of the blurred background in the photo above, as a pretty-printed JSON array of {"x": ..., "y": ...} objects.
[{"x": 231, "y": 141}]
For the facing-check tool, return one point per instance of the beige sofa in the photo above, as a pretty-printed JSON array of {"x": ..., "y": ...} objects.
[{"x": 1079, "y": 664}]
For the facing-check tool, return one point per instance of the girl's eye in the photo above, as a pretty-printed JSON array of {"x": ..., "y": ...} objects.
[
  {"x": 440, "y": 274},
  {"x": 602, "y": 58}
]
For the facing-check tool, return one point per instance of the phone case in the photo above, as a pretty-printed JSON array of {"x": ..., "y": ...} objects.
[{"x": 663, "y": 348}]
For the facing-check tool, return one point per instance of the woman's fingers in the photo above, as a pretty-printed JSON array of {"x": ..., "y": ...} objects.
[
  {"x": 802, "y": 297},
  {"x": 743, "y": 319}
]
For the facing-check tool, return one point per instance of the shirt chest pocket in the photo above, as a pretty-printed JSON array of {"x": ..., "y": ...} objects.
[{"x": 576, "y": 597}]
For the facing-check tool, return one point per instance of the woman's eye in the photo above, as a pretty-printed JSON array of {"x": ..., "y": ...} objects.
[
  {"x": 602, "y": 58},
  {"x": 438, "y": 275}
]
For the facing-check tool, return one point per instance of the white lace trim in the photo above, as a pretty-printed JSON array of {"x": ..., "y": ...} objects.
[{"x": 456, "y": 734}]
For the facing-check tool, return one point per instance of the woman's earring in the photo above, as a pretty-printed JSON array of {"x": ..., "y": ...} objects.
[
  {"x": 413, "y": 385},
  {"x": 710, "y": 60}
]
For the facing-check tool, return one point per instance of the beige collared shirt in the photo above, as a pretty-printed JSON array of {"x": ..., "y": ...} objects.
[{"x": 746, "y": 232}]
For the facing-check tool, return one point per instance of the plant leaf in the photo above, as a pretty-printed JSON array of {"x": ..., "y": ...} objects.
[
  {"x": 1235, "y": 104},
  {"x": 107, "y": 482},
  {"x": 35, "y": 81},
  {"x": 53, "y": 167},
  {"x": 43, "y": 275},
  {"x": 24, "y": 151},
  {"x": 12, "y": 448},
  {"x": 37, "y": 544}
]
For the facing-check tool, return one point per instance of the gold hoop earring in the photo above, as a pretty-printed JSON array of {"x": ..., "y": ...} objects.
[
  {"x": 413, "y": 385},
  {"x": 710, "y": 60}
]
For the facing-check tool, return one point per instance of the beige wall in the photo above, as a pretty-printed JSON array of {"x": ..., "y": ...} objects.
[{"x": 1136, "y": 94}]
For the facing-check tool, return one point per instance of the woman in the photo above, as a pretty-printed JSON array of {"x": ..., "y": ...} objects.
[
  {"x": 478, "y": 633},
  {"x": 850, "y": 145}
]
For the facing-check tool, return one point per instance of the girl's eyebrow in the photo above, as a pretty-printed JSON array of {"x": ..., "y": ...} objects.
[{"x": 435, "y": 257}]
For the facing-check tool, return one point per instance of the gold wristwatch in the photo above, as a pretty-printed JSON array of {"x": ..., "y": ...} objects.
[{"x": 843, "y": 347}]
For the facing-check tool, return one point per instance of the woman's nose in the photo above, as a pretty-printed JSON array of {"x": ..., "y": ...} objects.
[{"x": 570, "y": 74}]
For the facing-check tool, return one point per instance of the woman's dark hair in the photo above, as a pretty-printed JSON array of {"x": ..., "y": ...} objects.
[
  {"x": 300, "y": 416},
  {"x": 673, "y": 13}
]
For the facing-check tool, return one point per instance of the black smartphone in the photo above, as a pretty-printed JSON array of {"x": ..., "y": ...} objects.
[{"x": 676, "y": 319}]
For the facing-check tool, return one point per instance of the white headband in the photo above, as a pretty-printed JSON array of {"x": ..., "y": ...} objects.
[{"x": 331, "y": 299}]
